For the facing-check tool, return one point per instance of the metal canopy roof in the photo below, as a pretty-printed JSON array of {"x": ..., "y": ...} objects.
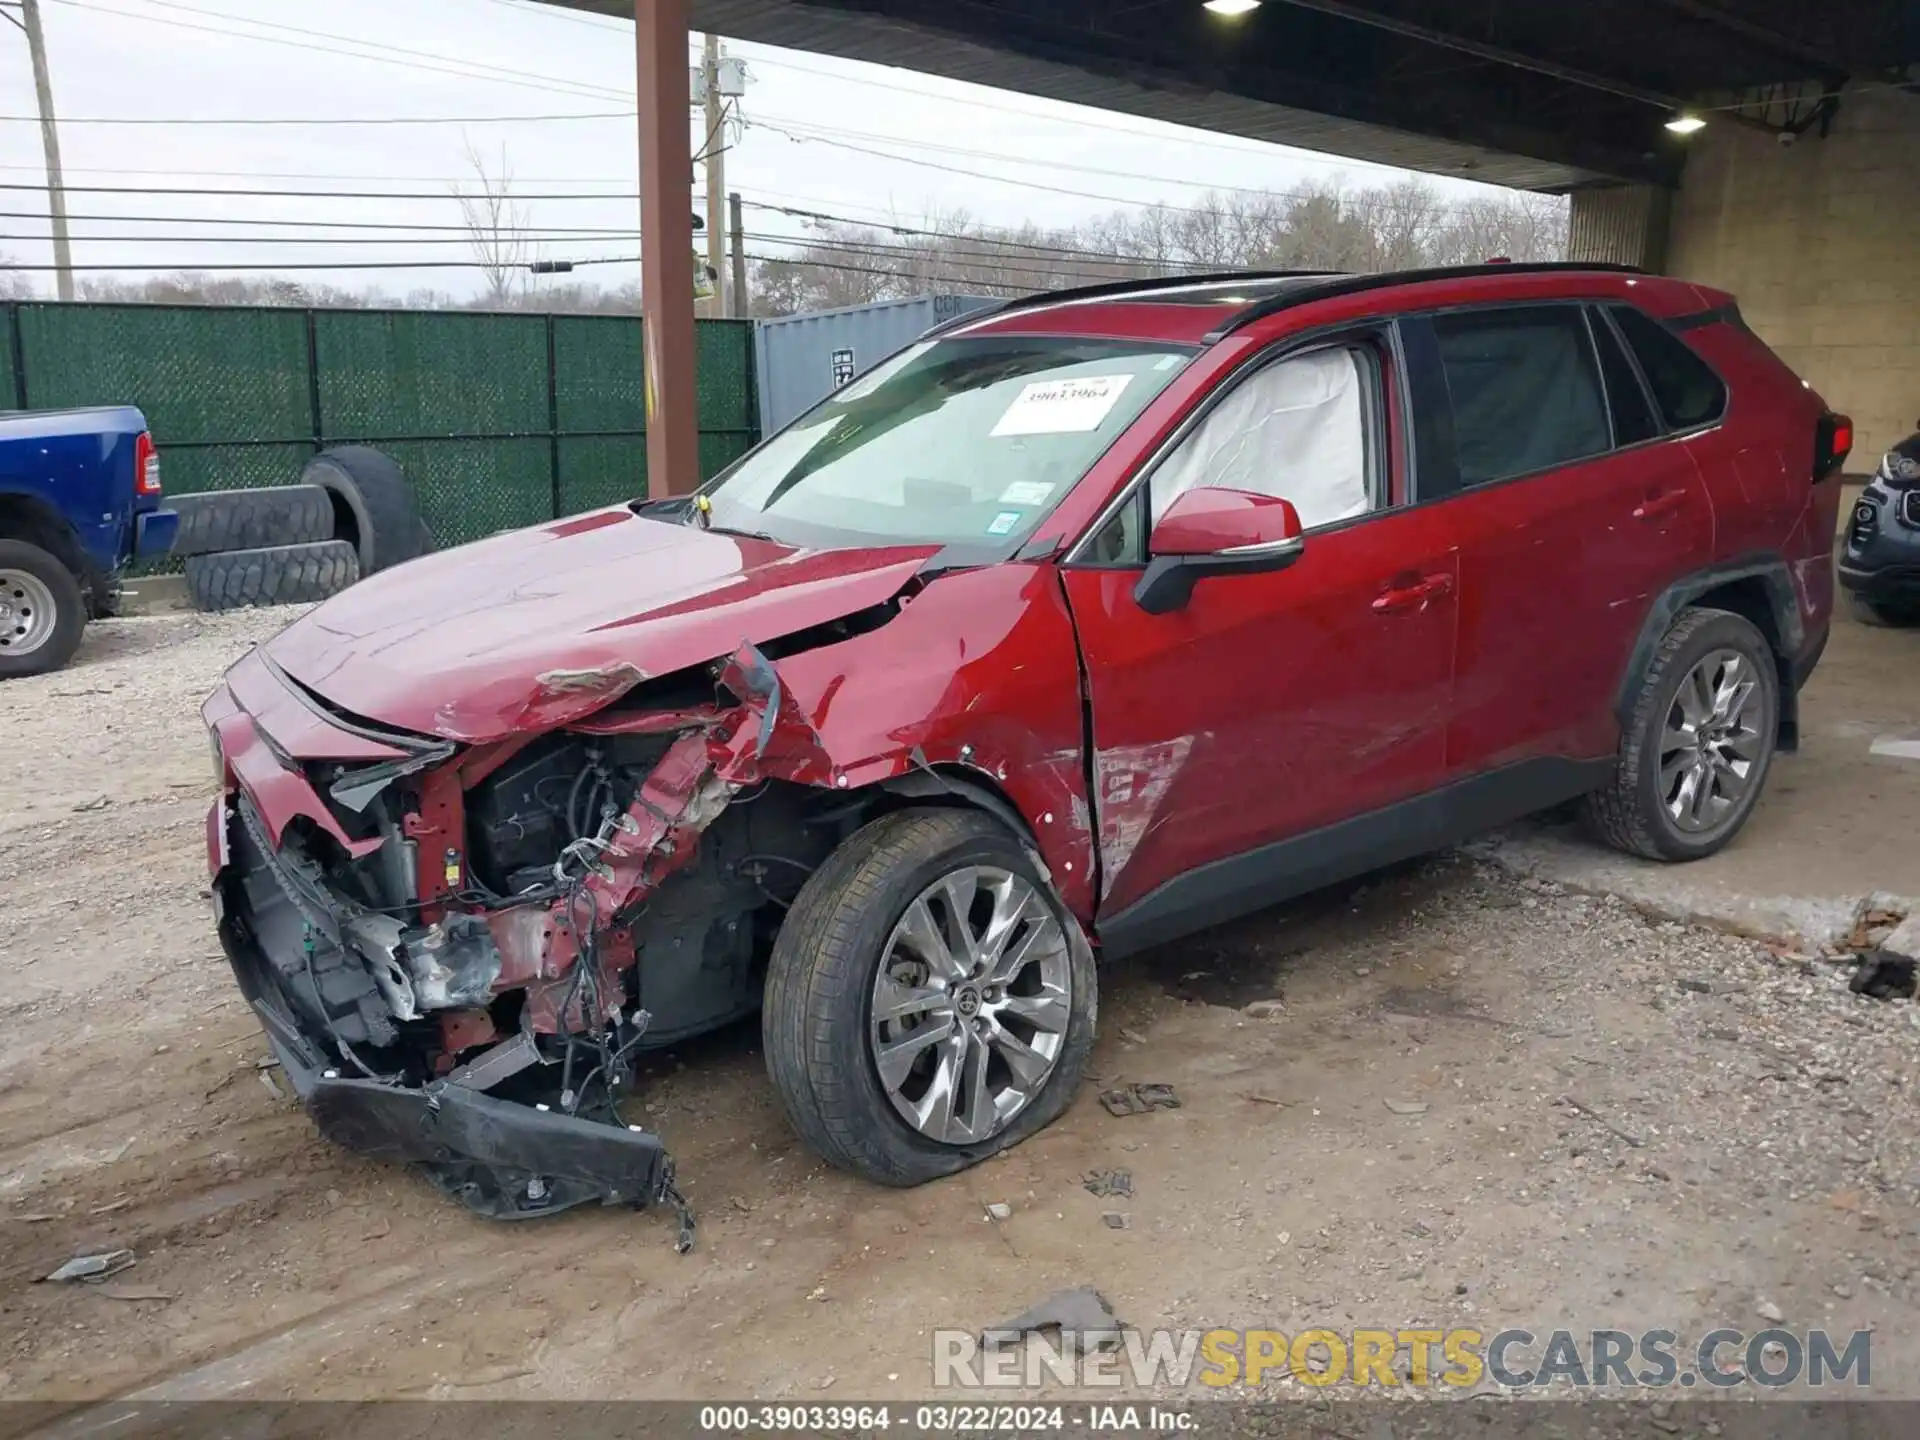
[{"x": 1544, "y": 96}]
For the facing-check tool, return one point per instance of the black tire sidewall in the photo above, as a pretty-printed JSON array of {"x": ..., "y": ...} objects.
[
  {"x": 69, "y": 609},
  {"x": 1725, "y": 631},
  {"x": 386, "y": 512},
  {"x": 905, "y": 1156}
]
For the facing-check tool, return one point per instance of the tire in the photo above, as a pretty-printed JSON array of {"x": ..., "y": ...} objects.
[
  {"x": 1632, "y": 813},
  {"x": 374, "y": 507},
  {"x": 1892, "y": 614},
  {"x": 274, "y": 575},
  {"x": 45, "y": 611},
  {"x": 218, "y": 520},
  {"x": 816, "y": 1019}
]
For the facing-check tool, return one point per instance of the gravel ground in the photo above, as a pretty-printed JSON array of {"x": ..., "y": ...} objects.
[{"x": 1442, "y": 1097}]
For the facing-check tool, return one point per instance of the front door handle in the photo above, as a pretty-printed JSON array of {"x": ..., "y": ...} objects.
[
  {"x": 1413, "y": 594},
  {"x": 1658, "y": 507}
]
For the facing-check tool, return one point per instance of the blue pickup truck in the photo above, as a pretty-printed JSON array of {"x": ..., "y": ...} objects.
[{"x": 79, "y": 499}]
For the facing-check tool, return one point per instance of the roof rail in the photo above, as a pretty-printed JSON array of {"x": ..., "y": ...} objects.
[
  {"x": 1358, "y": 284},
  {"x": 1119, "y": 287}
]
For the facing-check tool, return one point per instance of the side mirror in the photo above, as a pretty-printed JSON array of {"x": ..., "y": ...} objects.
[{"x": 1216, "y": 532}]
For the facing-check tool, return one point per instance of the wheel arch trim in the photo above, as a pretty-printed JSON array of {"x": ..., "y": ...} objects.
[{"x": 1788, "y": 638}]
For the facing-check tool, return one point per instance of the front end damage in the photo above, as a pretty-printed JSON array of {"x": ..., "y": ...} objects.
[
  {"x": 441, "y": 942},
  {"x": 462, "y": 936}
]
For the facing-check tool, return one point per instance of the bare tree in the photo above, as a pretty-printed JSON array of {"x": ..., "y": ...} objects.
[
  {"x": 15, "y": 284},
  {"x": 496, "y": 229}
]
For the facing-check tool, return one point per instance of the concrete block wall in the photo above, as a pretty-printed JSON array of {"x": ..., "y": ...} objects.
[{"x": 1821, "y": 243}]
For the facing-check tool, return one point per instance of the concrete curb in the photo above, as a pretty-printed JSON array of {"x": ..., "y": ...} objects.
[{"x": 1687, "y": 893}]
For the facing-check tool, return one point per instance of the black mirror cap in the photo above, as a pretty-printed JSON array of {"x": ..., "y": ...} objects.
[{"x": 1167, "y": 583}]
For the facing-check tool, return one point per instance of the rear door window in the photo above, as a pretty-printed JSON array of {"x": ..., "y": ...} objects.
[
  {"x": 1684, "y": 386},
  {"x": 1523, "y": 388},
  {"x": 1633, "y": 417}
]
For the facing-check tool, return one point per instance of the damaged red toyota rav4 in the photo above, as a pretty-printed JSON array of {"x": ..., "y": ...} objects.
[{"x": 1080, "y": 625}]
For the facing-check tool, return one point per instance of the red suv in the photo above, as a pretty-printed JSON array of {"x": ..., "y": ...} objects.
[{"x": 1073, "y": 628}]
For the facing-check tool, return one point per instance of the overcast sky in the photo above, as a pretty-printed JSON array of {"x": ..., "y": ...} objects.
[{"x": 387, "y": 60}]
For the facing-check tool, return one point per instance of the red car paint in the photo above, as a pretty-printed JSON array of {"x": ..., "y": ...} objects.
[{"x": 1431, "y": 641}]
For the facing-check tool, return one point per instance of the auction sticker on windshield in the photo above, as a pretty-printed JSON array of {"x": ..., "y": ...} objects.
[{"x": 1062, "y": 407}]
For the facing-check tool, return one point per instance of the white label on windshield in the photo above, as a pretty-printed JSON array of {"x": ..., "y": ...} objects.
[
  {"x": 1004, "y": 522},
  {"x": 1062, "y": 407},
  {"x": 1026, "y": 492}
]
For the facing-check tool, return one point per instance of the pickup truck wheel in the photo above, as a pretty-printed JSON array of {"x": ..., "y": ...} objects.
[
  {"x": 373, "y": 504},
  {"x": 42, "y": 611},
  {"x": 272, "y": 575},
  {"x": 929, "y": 1002},
  {"x": 1695, "y": 753}
]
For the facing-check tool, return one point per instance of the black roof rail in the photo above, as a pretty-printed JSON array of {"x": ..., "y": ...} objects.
[
  {"x": 1386, "y": 279},
  {"x": 1120, "y": 287}
]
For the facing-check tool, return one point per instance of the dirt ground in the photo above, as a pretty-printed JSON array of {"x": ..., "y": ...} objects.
[{"x": 1772, "y": 1169}]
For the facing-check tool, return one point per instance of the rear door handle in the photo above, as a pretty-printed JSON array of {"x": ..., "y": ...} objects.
[
  {"x": 1414, "y": 595},
  {"x": 1655, "y": 507}
]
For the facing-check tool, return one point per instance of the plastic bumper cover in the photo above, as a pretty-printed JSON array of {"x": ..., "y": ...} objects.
[{"x": 502, "y": 1159}]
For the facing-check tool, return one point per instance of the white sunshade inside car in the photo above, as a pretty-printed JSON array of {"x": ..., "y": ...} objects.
[{"x": 1293, "y": 430}]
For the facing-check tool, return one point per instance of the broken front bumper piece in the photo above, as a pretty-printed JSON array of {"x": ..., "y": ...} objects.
[{"x": 499, "y": 1158}]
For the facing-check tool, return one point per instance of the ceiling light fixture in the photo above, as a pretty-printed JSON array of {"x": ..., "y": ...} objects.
[
  {"x": 1685, "y": 124},
  {"x": 1230, "y": 7}
]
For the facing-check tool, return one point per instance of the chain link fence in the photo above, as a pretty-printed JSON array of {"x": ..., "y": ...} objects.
[{"x": 499, "y": 420}]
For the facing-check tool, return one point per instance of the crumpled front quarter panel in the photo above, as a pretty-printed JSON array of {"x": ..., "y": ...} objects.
[{"x": 979, "y": 672}]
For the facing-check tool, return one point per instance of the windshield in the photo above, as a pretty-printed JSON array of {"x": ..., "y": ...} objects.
[{"x": 951, "y": 442}]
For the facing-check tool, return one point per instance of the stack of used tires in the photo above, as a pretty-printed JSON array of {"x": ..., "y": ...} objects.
[{"x": 352, "y": 513}]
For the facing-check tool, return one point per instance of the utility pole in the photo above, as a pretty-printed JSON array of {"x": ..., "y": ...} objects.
[
  {"x": 715, "y": 151},
  {"x": 50, "y": 140},
  {"x": 736, "y": 232}
]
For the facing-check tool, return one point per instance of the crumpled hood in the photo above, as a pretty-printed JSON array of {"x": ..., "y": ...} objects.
[{"x": 538, "y": 627}]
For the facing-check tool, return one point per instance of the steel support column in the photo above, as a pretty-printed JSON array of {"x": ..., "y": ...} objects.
[{"x": 666, "y": 246}]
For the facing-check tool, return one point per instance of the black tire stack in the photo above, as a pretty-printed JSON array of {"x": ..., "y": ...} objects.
[{"x": 352, "y": 513}]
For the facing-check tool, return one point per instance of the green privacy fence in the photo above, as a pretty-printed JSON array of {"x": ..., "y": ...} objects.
[{"x": 499, "y": 420}]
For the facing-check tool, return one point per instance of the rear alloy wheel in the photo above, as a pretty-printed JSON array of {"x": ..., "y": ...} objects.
[
  {"x": 928, "y": 1002},
  {"x": 1698, "y": 746},
  {"x": 1711, "y": 747}
]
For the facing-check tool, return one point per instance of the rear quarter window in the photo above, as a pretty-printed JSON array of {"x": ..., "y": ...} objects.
[{"x": 1684, "y": 386}]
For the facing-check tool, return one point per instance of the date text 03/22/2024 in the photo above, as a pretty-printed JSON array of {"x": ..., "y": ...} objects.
[{"x": 941, "y": 1419}]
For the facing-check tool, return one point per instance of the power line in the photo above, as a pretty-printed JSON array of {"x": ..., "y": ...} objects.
[
  {"x": 262, "y": 267},
  {"x": 827, "y": 134},
  {"x": 531, "y": 237},
  {"x": 261, "y": 193},
  {"x": 1027, "y": 265},
  {"x": 328, "y": 119},
  {"x": 466, "y": 70},
  {"x": 570, "y": 231},
  {"x": 1242, "y": 144},
  {"x": 575, "y": 232}
]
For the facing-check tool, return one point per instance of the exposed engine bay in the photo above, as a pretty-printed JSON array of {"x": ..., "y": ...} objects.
[{"x": 519, "y": 922}]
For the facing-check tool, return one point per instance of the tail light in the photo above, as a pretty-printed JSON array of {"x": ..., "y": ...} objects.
[
  {"x": 146, "y": 466},
  {"x": 1833, "y": 440}
]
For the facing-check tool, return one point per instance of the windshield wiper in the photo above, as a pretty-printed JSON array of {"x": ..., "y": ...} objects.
[{"x": 748, "y": 534}]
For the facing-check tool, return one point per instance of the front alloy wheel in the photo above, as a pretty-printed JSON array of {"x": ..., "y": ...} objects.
[
  {"x": 970, "y": 1004},
  {"x": 929, "y": 1001}
]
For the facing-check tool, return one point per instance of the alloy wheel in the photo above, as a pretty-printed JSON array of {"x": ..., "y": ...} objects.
[
  {"x": 1712, "y": 745},
  {"x": 970, "y": 1006}
]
